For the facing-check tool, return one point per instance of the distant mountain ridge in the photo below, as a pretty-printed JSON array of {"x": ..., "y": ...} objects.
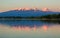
[{"x": 26, "y": 13}]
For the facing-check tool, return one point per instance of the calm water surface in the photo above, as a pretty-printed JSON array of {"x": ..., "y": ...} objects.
[{"x": 29, "y": 29}]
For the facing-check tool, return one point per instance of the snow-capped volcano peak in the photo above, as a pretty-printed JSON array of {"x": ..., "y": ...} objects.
[
  {"x": 45, "y": 9},
  {"x": 26, "y": 9}
]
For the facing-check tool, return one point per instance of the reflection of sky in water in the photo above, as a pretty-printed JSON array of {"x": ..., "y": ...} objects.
[{"x": 29, "y": 29}]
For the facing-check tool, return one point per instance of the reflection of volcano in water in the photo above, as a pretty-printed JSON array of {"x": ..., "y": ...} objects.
[
  {"x": 26, "y": 28},
  {"x": 29, "y": 23}
]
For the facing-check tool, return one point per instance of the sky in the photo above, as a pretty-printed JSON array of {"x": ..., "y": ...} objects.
[{"x": 11, "y": 4}]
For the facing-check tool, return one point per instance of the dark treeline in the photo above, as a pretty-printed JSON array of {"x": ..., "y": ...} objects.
[
  {"x": 47, "y": 17},
  {"x": 52, "y": 16}
]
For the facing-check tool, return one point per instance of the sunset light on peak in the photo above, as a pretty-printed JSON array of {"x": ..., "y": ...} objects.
[
  {"x": 27, "y": 8},
  {"x": 35, "y": 8},
  {"x": 19, "y": 9},
  {"x": 22, "y": 8},
  {"x": 44, "y": 9}
]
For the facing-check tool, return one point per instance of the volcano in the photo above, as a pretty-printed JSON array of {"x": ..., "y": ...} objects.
[{"x": 26, "y": 12}]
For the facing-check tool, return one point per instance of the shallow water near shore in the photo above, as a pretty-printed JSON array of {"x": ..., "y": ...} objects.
[{"x": 29, "y": 29}]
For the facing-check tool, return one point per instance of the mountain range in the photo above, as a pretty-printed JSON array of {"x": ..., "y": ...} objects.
[{"x": 26, "y": 13}]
